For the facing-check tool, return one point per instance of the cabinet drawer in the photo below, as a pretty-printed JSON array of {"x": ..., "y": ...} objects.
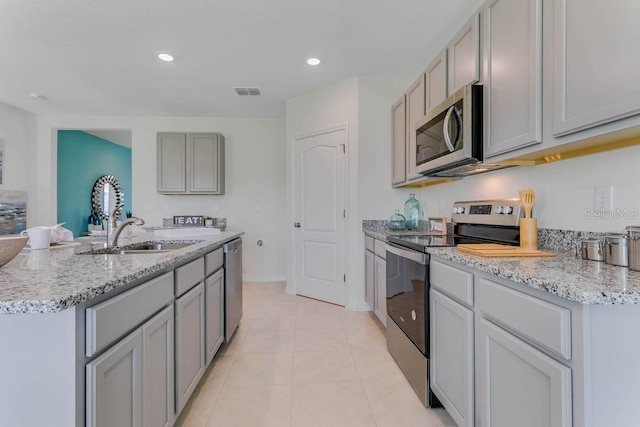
[
  {"x": 380, "y": 248},
  {"x": 213, "y": 261},
  {"x": 189, "y": 275},
  {"x": 368, "y": 243},
  {"x": 458, "y": 284},
  {"x": 546, "y": 324},
  {"x": 111, "y": 319}
]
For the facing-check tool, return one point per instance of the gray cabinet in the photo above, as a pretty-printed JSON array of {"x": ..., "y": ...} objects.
[
  {"x": 415, "y": 111},
  {"x": 369, "y": 277},
  {"x": 512, "y": 75},
  {"x": 114, "y": 385},
  {"x": 518, "y": 384},
  {"x": 452, "y": 357},
  {"x": 451, "y": 319},
  {"x": 190, "y": 163},
  {"x": 436, "y": 81},
  {"x": 375, "y": 277},
  {"x": 399, "y": 142},
  {"x": 158, "y": 370},
  {"x": 189, "y": 343},
  {"x": 463, "y": 53},
  {"x": 214, "y": 313},
  {"x": 595, "y": 70}
]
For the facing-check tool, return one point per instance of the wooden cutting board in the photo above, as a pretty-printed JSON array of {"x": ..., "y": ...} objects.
[{"x": 496, "y": 250}]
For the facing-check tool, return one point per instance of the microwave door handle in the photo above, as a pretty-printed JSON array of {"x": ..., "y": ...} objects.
[{"x": 445, "y": 129}]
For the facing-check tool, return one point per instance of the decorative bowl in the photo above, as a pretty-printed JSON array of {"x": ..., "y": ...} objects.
[{"x": 10, "y": 246}]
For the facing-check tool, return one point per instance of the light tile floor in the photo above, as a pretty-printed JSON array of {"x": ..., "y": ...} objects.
[{"x": 296, "y": 361}]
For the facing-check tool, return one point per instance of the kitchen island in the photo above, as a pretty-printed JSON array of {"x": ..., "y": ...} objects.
[{"x": 51, "y": 348}]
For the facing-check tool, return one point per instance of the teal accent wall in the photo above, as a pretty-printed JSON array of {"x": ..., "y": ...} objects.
[{"x": 82, "y": 159}]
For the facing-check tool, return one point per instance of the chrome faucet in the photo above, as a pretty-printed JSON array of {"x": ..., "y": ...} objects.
[{"x": 113, "y": 231}]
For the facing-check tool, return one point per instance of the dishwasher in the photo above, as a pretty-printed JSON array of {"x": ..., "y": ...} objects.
[{"x": 232, "y": 287}]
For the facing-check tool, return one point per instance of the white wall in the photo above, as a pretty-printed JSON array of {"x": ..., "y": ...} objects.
[
  {"x": 17, "y": 130},
  {"x": 254, "y": 199}
]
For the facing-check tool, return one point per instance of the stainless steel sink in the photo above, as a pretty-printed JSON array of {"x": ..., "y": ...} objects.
[{"x": 140, "y": 248}]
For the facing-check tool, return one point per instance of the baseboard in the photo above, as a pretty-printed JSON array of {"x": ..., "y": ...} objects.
[
  {"x": 361, "y": 306},
  {"x": 263, "y": 278}
]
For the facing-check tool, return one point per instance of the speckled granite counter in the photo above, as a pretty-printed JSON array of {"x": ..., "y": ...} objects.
[
  {"x": 48, "y": 281},
  {"x": 567, "y": 276}
]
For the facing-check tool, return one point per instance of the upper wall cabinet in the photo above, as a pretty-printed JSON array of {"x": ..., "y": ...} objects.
[
  {"x": 399, "y": 145},
  {"x": 595, "y": 70},
  {"x": 190, "y": 163},
  {"x": 512, "y": 63},
  {"x": 415, "y": 111},
  {"x": 464, "y": 56},
  {"x": 436, "y": 81}
]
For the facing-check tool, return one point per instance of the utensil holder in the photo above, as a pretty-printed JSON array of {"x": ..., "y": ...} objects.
[{"x": 529, "y": 233}]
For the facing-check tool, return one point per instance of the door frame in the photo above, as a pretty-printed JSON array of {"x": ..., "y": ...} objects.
[{"x": 292, "y": 286}]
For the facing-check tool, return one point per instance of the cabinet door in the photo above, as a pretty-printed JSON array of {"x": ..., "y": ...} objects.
[
  {"x": 380, "y": 304},
  {"x": 452, "y": 357},
  {"x": 595, "y": 68},
  {"x": 190, "y": 361},
  {"x": 158, "y": 367},
  {"x": 415, "y": 111},
  {"x": 172, "y": 162},
  {"x": 399, "y": 142},
  {"x": 369, "y": 277},
  {"x": 519, "y": 385},
  {"x": 114, "y": 385},
  {"x": 214, "y": 313},
  {"x": 464, "y": 56},
  {"x": 512, "y": 75},
  {"x": 436, "y": 81},
  {"x": 206, "y": 163}
]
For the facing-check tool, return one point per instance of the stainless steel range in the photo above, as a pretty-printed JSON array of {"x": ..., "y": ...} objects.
[{"x": 407, "y": 278}]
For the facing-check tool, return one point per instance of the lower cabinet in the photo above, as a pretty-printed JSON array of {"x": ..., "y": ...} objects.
[
  {"x": 114, "y": 385},
  {"x": 375, "y": 277},
  {"x": 369, "y": 277},
  {"x": 214, "y": 314},
  {"x": 190, "y": 343},
  {"x": 132, "y": 383},
  {"x": 519, "y": 385},
  {"x": 452, "y": 357},
  {"x": 380, "y": 305},
  {"x": 158, "y": 391}
]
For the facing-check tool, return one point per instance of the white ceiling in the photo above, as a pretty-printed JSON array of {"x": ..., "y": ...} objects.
[{"x": 99, "y": 57}]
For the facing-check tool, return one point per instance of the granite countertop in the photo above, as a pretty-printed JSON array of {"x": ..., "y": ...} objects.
[
  {"x": 567, "y": 276},
  {"x": 51, "y": 280}
]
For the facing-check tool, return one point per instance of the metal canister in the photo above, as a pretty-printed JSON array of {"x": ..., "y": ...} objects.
[
  {"x": 633, "y": 234},
  {"x": 592, "y": 249},
  {"x": 616, "y": 251}
]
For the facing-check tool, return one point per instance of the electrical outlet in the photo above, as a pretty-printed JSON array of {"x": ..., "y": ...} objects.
[{"x": 604, "y": 197}]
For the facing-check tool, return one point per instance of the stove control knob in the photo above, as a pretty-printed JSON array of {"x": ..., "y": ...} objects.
[
  {"x": 507, "y": 210},
  {"x": 454, "y": 210},
  {"x": 498, "y": 209}
]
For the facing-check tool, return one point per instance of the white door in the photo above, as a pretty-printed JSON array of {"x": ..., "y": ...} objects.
[{"x": 319, "y": 215}]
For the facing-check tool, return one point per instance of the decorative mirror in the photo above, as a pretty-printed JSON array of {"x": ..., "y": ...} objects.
[{"x": 107, "y": 196}]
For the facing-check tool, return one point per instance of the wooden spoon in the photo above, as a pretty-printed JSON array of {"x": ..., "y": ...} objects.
[{"x": 527, "y": 197}]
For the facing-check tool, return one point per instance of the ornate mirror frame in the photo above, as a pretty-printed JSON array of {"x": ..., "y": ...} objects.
[{"x": 97, "y": 195}]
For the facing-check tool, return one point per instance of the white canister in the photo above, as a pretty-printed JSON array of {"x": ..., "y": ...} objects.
[{"x": 39, "y": 237}]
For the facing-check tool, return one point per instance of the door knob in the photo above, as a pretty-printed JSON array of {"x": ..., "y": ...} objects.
[{"x": 296, "y": 225}]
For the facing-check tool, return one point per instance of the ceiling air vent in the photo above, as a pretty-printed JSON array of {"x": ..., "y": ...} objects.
[{"x": 247, "y": 91}]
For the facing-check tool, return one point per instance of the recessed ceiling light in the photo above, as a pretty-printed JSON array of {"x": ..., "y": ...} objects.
[
  {"x": 313, "y": 61},
  {"x": 165, "y": 57}
]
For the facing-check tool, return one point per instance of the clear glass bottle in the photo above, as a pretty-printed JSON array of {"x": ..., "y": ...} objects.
[
  {"x": 397, "y": 222},
  {"x": 413, "y": 213}
]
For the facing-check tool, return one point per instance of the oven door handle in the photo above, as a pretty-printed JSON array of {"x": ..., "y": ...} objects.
[{"x": 418, "y": 257}]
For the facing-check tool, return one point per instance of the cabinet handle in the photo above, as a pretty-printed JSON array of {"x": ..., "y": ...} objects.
[{"x": 296, "y": 225}]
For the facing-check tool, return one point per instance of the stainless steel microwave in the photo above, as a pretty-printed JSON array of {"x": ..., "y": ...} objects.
[{"x": 449, "y": 137}]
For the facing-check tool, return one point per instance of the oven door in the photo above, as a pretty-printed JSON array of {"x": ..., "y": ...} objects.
[{"x": 407, "y": 293}]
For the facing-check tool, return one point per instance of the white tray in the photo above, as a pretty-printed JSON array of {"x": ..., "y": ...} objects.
[{"x": 186, "y": 232}]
